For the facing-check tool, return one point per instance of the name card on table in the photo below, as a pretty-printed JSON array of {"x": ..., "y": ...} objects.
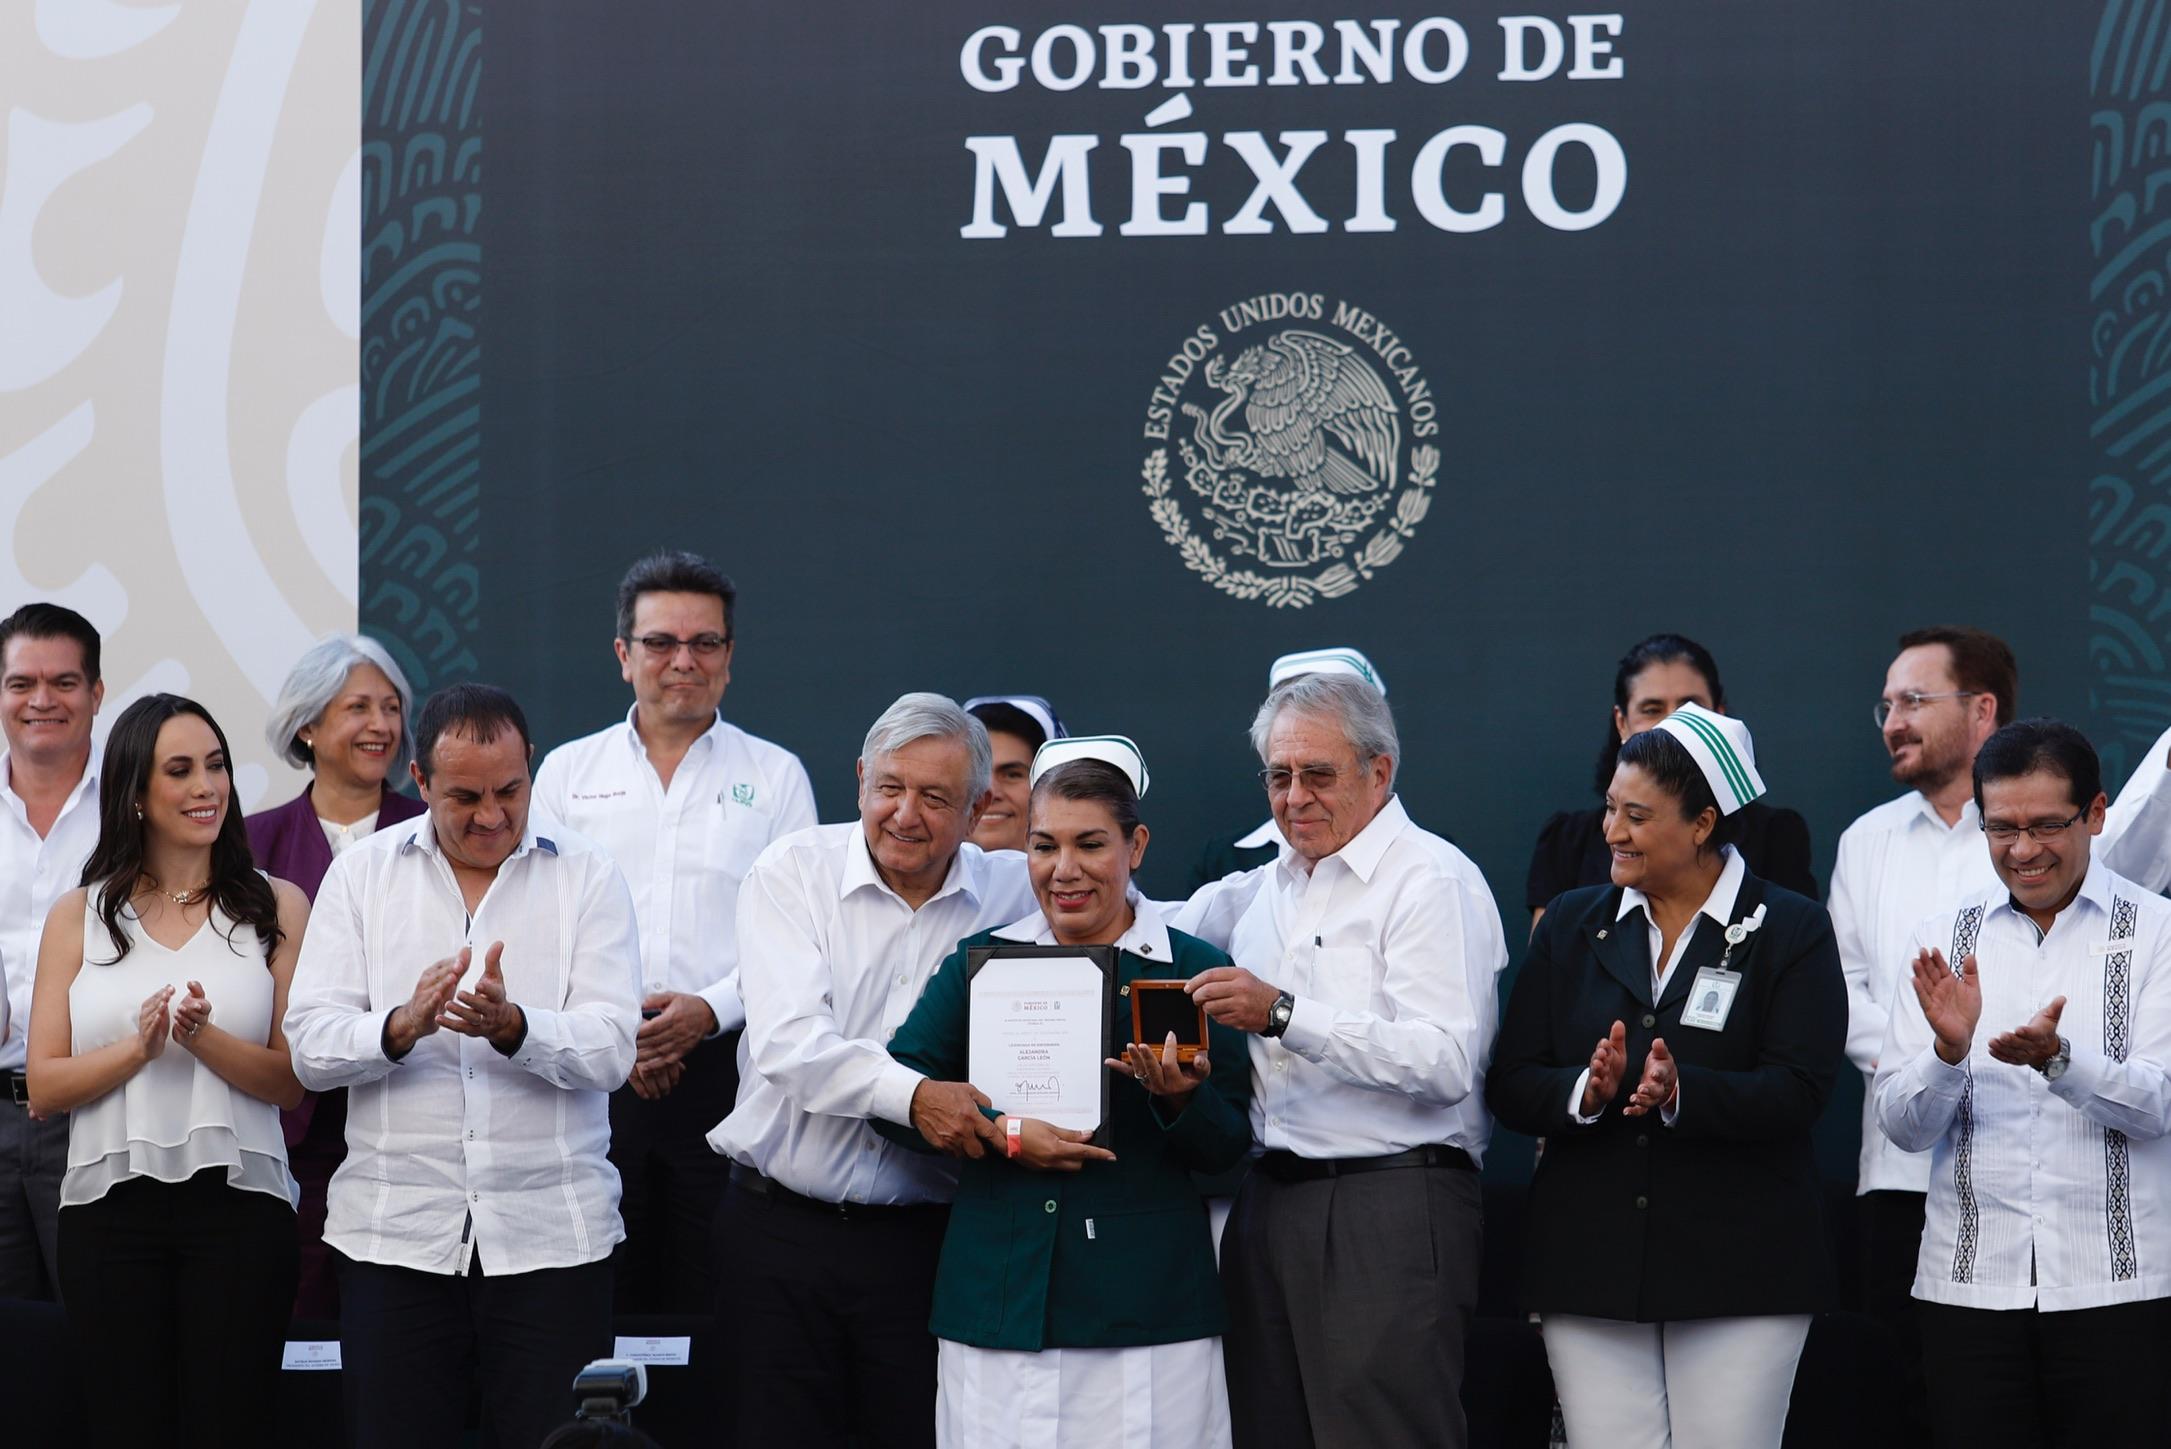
[
  {"x": 666, "y": 1351},
  {"x": 311, "y": 1355}
]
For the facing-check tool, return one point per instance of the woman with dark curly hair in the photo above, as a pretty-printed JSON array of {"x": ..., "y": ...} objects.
[{"x": 161, "y": 983}]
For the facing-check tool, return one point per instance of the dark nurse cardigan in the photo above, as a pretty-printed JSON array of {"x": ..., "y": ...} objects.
[
  {"x": 1116, "y": 1255},
  {"x": 1721, "y": 1214}
]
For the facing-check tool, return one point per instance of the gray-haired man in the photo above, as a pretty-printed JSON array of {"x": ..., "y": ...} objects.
[
  {"x": 828, "y": 1235},
  {"x": 1367, "y": 953}
]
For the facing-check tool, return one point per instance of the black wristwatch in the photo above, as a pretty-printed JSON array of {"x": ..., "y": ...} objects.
[{"x": 1277, "y": 1015}]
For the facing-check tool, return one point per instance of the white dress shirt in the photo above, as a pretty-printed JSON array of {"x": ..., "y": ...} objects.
[
  {"x": 1896, "y": 864},
  {"x": 456, "y": 1134},
  {"x": 683, "y": 850},
  {"x": 34, "y": 873},
  {"x": 2055, "y": 1195},
  {"x": 1391, "y": 947},
  {"x": 2136, "y": 838},
  {"x": 831, "y": 962}
]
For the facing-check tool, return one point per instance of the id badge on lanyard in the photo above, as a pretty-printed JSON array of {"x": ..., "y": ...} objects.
[{"x": 1711, "y": 997}]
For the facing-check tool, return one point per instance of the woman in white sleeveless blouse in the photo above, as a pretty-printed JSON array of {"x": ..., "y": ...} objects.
[{"x": 155, "y": 1026}]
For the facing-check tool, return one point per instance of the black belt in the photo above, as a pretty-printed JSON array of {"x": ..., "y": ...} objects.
[
  {"x": 1288, "y": 1167},
  {"x": 19, "y": 1089},
  {"x": 747, "y": 1180}
]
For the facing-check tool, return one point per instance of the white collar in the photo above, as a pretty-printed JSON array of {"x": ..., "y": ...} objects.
[
  {"x": 89, "y": 781},
  {"x": 1719, "y": 905},
  {"x": 860, "y": 872},
  {"x": 2095, "y": 890},
  {"x": 1926, "y": 812},
  {"x": 640, "y": 747},
  {"x": 423, "y": 837},
  {"x": 1362, "y": 855},
  {"x": 1148, "y": 936}
]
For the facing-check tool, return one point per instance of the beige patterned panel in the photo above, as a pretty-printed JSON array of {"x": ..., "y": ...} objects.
[{"x": 179, "y": 215}]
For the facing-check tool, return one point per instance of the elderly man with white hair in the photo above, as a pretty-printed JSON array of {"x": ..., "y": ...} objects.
[
  {"x": 828, "y": 1235},
  {"x": 1366, "y": 953},
  {"x": 342, "y": 716}
]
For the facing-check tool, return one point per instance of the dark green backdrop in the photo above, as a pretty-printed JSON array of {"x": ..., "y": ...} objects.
[{"x": 1870, "y": 341}]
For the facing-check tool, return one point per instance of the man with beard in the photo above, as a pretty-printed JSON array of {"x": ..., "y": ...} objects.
[{"x": 1947, "y": 691}]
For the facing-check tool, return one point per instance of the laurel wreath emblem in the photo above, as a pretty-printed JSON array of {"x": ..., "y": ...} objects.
[{"x": 1295, "y": 591}]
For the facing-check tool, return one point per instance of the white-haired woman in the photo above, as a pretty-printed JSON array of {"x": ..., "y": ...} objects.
[{"x": 342, "y": 715}]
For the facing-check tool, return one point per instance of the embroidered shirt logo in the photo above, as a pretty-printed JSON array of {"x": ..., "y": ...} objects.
[{"x": 744, "y": 794}]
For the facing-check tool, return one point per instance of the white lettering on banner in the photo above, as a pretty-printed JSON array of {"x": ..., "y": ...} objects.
[
  {"x": 1455, "y": 174},
  {"x": 1244, "y": 53},
  {"x": 1000, "y": 167}
]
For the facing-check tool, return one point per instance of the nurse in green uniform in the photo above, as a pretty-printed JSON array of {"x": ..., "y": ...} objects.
[{"x": 1077, "y": 1304}]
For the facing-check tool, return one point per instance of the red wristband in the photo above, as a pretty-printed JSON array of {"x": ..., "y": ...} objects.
[{"x": 1012, "y": 1126}]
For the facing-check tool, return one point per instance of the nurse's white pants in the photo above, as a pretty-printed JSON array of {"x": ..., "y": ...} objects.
[
  {"x": 1164, "y": 1396},
  {"x": 1701, "y": 1383}
]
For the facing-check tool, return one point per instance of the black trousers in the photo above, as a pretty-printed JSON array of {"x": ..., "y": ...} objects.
[
  {"x": 671, "y": 1184},
  {"x": 414, "y": 1345},
  {"x": 177, "y": 1296},
  {"x": 1349, "y": 1309},
  {"x": 1891, "y": 1225},
  {"x": 2088, "y": 1378},
  {"x": 824, "y": 1317}
]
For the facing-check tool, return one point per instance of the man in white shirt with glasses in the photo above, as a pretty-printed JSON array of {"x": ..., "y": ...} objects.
[
  {"x": 2033, "y": 1065},
  {"x": 683, "y": 801},
  {"x": 1946, "y": 691},
  {"x": 1368, "y": 955}
]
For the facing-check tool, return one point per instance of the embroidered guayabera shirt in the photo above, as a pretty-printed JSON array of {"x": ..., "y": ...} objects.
[
  {"x": 685, "y": 849},
  {"x": 1901, "y": 861},
  {"x": 2049, "y": 1194}
]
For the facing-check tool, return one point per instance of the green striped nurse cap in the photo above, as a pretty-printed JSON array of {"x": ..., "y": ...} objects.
[
  {"x": 1117, "y": 750},
  {"x": 1325, "y": 661},
  {"x": 1719, "y": 744}
]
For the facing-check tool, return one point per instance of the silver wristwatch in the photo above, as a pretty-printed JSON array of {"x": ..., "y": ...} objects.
[
  {"x": 2053, "y": 1069},
  {"x": 1277, "y": 1015}
]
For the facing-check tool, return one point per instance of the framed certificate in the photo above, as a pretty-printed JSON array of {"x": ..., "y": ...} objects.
[{"x": 1039, "y": 1031}]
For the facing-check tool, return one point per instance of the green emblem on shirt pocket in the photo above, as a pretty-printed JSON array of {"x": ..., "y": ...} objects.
[{"x": 744, "y": 794}]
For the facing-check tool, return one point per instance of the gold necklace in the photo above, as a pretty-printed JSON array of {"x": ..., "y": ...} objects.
[{"x": 182, "y": 898}]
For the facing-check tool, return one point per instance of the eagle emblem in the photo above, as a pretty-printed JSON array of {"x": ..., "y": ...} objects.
[
  {"x": 1296, "y": 451},
  {"x": 1315, "y": 457}
]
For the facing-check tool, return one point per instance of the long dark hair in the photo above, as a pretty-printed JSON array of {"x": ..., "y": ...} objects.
[
  {"x": 1658, "y": 649},
  {"x": 115, "y": 868}
]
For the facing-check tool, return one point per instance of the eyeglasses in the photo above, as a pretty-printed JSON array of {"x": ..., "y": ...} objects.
[
  {"x": 666, "y": 646},
  {"x": 1318, "y": 779},
  {"x": 1911, "y": 701},
  {"x": 2001, "y": 833}
]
